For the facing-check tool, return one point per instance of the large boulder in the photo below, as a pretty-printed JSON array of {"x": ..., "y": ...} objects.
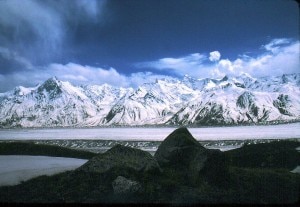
[
  {"x": 122, "y": 185},
  {"x": 180, "y": 148},
  {"x": 122, "y": 157},
  {"x": 182, "y": 152}
]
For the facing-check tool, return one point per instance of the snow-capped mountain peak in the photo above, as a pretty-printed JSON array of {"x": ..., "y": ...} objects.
[{"x": 229, "y": 100}]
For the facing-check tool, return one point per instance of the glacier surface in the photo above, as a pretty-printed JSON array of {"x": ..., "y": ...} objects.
[{"x": 280, "y": 131}]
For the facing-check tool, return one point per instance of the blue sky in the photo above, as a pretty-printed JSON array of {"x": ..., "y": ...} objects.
[{"x": 127, "y": 42}]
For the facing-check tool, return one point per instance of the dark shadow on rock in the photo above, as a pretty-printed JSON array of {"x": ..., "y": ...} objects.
[
  {"x": 121, "y": 156},
  {"x": 277, "y": 154},
  {"x": 182, "y": 153}
]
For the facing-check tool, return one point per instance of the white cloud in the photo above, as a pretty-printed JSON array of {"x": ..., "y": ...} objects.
[
  {"x": 275, "y": 44},
  {"x": 181, "y": 65},
  {"x": 278, "y": 57},
  {"x": 225, "y": 65},
  {"x": 76, "y": 74},
  {"x": 214, "y": 56},
  {"x": 86, "y": 74}
]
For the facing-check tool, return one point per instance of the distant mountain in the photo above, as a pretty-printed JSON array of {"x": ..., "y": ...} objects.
[{"x": 169, "y": 101}]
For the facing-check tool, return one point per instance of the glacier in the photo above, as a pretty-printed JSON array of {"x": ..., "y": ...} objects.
[{"x": 164, "y": 102}]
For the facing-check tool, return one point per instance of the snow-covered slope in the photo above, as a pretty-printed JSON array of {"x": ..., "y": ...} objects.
[
  {"x": 151, "y": 103},
  {"x": 231, "y": 100},
  {"x": 234, "y": 100}
]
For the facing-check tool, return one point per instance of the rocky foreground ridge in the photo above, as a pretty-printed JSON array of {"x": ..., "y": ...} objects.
[
  {"x": 181, "y": 172},
  {"x": 169, "y": 101}
]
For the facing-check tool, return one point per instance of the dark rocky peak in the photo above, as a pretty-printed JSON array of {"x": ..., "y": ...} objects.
[
  {"x": 181, "y": 137},
  {"x": 225, "y": 78},
  {"x": 122, "y": 157},
  {"x": 51, "y": 86},
  {"x": 178, "y": 147},
  {"x": 182, "y": 152}
]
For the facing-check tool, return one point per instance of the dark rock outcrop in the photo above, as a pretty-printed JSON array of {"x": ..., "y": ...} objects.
[
  {"x": 278, "y": 154},
  {"x": 122, "y": 185},
  {"x": 178, "y": 148},
  {"x": 122, "y": 157},
  {"x": 182, "y": 152}
]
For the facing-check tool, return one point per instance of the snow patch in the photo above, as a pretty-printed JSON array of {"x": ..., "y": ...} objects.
[
  {"x": 296, "y": 170},
  {"x": 17, "y": 168}
]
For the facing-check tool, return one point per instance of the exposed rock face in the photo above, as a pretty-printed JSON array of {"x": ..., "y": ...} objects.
[
  {"x": 122, "y": 185},
  {"x": 120, "y": 156},
  {"x": 180, "y": 150}
]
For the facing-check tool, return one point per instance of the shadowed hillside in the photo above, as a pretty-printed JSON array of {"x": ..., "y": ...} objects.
[
  {"x": 181, "y": 172},
  {"x": 24, "y": 148}
]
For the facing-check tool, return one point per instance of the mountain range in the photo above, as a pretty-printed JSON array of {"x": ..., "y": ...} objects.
[{"x": 168, "y": 101}]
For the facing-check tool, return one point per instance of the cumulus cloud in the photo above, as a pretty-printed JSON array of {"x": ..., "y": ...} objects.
[
  {"x": 279, "y": 56},
  {"x": 76, "y": 74},
  {"x": 214, "y": 56}
]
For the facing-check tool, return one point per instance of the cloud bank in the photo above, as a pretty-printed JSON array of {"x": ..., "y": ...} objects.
[
  {"x": 278, "y": 57},
  {"x": 76, "y": 74}
]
